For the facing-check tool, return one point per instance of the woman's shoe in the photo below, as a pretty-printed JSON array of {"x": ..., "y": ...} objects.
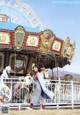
[{"x": 42, "y": 107}]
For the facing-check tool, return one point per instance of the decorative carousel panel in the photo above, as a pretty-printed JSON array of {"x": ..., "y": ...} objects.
[
  {"x": 56, "y": 45},
  {"x": 5, "y": 38},
  {"x": 19, "y": 35},
  {"x": 32, "y": 40},
  {"x": 66, "y": 44},
  {"x": 1, "y": 61},
  {"x": 70, "y": 52},
  {"x": 18, "y": 63}
]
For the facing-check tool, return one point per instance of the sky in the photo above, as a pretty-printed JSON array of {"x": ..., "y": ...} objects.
[{"x": 63, "y": 18}]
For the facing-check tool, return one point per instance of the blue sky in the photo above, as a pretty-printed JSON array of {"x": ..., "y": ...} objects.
[{"x": 64, "y": 20}]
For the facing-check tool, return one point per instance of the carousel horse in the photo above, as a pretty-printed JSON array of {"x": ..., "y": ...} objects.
[
  {"x": 22, "y": 89},
  {"x": 5, "y": 73},
  {"x": 5, "y": 91},
  {"x": 27, "y": 87}
]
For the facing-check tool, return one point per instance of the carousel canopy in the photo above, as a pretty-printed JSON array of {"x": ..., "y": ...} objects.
[{"x": 20, "y": 46}]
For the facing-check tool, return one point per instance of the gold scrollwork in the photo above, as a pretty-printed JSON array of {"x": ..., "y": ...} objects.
[{"x": 47, "y": 38}]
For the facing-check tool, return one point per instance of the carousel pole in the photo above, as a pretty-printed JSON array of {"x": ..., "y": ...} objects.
[
  {"x": 57, "y": 71},
  {"x": 52, "y": 71},
  {"x": 52, "y": 74},
  {"x": 58, "y": 74},
  {"x": 56, "y": 65},
  {"x": 29, "y": 56},
  {"x": 59, "y": 83}
]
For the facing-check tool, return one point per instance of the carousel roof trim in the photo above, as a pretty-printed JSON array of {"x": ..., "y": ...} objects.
[
  {"x": 43, "y": 43},
  {"x": 11, "y": 26}
]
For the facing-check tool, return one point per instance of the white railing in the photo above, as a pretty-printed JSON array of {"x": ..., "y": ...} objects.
[{"x": 67, "y": 94}]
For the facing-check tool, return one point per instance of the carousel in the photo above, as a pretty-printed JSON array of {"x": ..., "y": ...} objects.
[
  {"x": 25, "y": 42},
  {"x": 19, "y": 48}
]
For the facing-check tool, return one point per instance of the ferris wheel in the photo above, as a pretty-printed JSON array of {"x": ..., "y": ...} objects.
[{"x": 20, "y": 13}]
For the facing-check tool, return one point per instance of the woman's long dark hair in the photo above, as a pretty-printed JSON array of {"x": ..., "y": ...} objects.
[{"x": 39, "y": 69}]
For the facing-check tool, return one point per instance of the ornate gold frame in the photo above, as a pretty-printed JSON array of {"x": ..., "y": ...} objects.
[{"x": 21, "y": 31}]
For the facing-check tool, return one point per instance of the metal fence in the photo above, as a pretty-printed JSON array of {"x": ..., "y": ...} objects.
[{"x": 67, "y": 94}]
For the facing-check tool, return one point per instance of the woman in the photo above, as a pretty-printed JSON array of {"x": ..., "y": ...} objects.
[{"x": 38, "y": 87}]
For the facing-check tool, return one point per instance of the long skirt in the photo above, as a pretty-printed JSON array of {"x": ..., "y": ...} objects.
[{"x": 36, "y": 93}]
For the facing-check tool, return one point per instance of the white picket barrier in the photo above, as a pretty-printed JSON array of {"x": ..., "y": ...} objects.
[{"x": 67, "y": 94}]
